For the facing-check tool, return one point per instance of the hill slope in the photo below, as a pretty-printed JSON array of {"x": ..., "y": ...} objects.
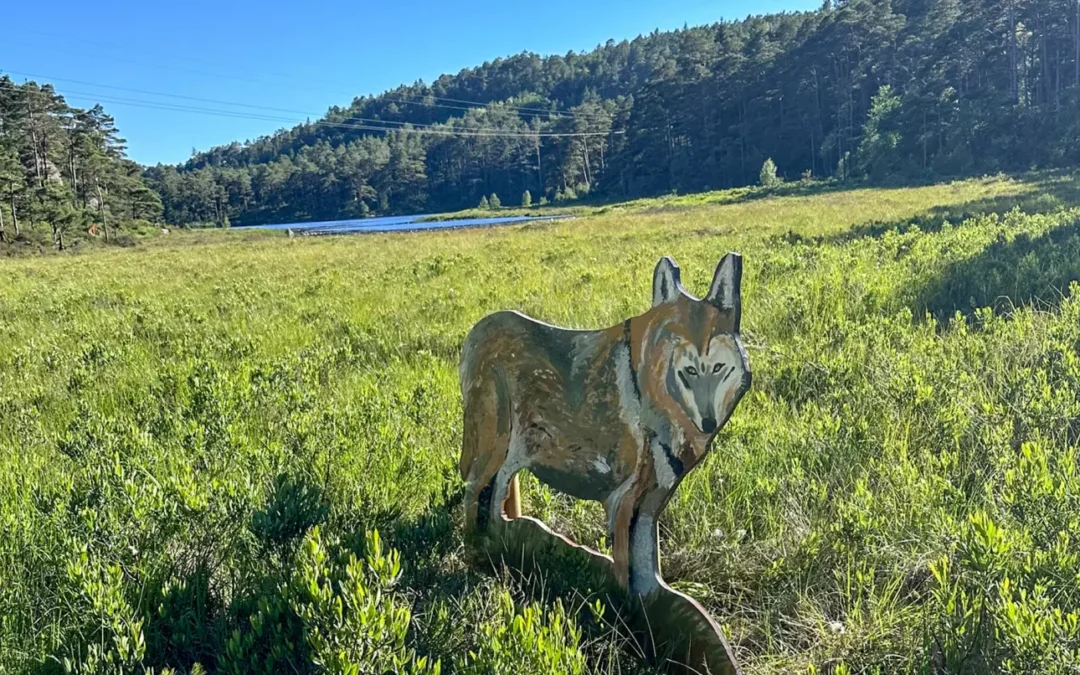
[{"x": 878, "y": 88}]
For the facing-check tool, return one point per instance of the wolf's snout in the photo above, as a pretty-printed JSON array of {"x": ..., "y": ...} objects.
[{"x": 708, "y": 425}]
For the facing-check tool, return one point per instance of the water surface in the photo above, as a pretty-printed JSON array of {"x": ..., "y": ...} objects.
[{"x": 395, "y": 224}]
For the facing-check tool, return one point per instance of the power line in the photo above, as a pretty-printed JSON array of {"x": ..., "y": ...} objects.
[
  {"x": 154, "y": 93},
  {"x": 362, "y": 125},
  {"x": 220, "y": 102},
  {"x": 539, "y": 111},
  {"x": 99, "y": 43},
  {"x": 206, "y": 100},
  {"x": 477, "y": 106},
  {"x": 473, "y": 105}
]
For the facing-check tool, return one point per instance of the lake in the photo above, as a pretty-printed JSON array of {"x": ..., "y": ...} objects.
[{"x": 395, "y": 224}]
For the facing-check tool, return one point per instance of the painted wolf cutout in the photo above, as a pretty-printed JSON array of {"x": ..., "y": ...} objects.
[{"x": 618, "y": 416}]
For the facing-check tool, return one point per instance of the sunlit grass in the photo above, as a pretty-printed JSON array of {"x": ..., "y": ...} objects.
[{"x": 151, "y": 397}]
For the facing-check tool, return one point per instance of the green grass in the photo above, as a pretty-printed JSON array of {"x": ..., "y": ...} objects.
[{"x": 198, "y": 432}]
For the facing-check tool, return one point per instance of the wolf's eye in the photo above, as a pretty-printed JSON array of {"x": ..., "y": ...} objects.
[
  {"x": 691, "y": 370},
  {"x": 717, "y": 367}
]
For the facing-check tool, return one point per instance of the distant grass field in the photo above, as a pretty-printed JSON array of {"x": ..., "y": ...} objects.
[{"x": 197, "y": 433}]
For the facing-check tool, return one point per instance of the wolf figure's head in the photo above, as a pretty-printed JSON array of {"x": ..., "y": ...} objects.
[{"x": 696, "y": 363}]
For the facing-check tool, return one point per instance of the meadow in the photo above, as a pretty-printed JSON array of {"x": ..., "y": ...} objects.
[{"x": 229, "y": 453}]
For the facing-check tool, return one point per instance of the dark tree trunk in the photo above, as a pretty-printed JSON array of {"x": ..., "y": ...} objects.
[
  {"x": 1010, "y": 25},
  {"x": 14, "y": 213},
  {"x": 104, "y": 214}
]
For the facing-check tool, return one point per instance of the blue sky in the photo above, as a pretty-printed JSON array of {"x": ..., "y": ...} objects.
[{"x": 301, "y": 57}]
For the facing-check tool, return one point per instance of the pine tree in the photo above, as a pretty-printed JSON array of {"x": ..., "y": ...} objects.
[
  {"x": 11, "y": 185},
  {"x": 405, "y": 177},
  {"x": 526, "y": 199},
  {"x": 484, "y": 206},
  {"x": 768, "y": 178},
  {"x": 494, "y": 202},
  {"x": 59, "y": 165},
  {"x": 877, "y": 155}
]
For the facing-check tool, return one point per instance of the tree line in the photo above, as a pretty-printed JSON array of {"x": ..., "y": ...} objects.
[
  {"x": 858, "y": 88},
  {"x": 64, "y": 169},
  {"x": 878, "y": 89}
]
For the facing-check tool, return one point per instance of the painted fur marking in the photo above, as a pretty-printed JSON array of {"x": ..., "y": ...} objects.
[{"x": 618, "y": 415}]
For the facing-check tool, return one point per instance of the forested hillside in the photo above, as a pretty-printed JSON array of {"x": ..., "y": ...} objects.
[
  {"x": 63, "y": 170},
  {"x": 909, "y": 88}
]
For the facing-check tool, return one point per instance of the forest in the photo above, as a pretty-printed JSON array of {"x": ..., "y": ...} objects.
[
  {"x": 901, "y": 90},
  {"x": 881, "y": 90},
  {"x": 63, "y": 170}
]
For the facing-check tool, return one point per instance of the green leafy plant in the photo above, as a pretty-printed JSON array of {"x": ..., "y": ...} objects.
[
  {"x": 767, "y": 178},
  {"x": 528, "y": 640},
  {"x": 338, "y": 614},
  {"x": 295, "y": 506}
]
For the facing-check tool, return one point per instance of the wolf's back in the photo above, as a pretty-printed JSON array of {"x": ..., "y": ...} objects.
[{"x": 476, "y": 354}]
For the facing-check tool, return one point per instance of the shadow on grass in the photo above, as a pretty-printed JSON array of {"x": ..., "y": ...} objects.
[
  {"x": 1009, "y": 273},
  {"x": 1048, "y": 193},
  {"x": 690, "y": 201},
  {"x": 1047, "y": 197},
  {"x": 442, "y": 570}
]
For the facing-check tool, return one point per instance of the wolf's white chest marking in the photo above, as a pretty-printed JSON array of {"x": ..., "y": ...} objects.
[
  {"x": 665, "y": 476},
  {"x": 629, "y": 404}
]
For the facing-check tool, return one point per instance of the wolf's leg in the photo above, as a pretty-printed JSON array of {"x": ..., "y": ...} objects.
[
  {"x": 485, "y": 487},
  {"x": 620, "y": 519},
  {"x": 506, "y": 501},
  {"x": 512, "y": 505},
  {"x": 644, "y": 554},
  {"x": 485, "y": 440},
  {"x": 621, "y": 507}
]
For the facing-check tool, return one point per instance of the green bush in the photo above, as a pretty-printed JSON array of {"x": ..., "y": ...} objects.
[
  {"x": 527, "y": 641},
  {"x": 337, "y": 613},
  {"x": 113, "y": 630},
  {"x": 295, "y": 506},
  {"x": 767, "y": 178}
]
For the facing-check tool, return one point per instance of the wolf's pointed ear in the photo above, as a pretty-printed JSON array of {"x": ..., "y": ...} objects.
[
  {"x": 665, "y": 282},
  {"x": 725, "y": 293}
]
